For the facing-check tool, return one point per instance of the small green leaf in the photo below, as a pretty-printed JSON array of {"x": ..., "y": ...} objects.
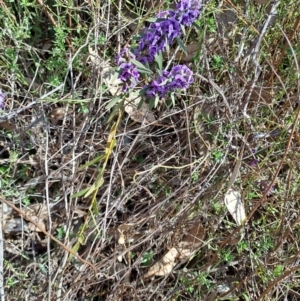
[
  {"x": 181, "y": 45},
  {"x": 141, "y": 68},
  {"x": 81, "y": 239},
  {"x": 152, "y": 20},
  {"x": 183, "y": 30},
  {"x": 140, "y": 103},
  {"x": 80, "y": 193},
  {"x": 93, "y": 161},
  {"x": 151, "y": 103},
  {"x": 113, "y": 102},
  {"x": 98, "y": 183},
  {"x": 115, "y": 111},
  {"x": 168, "y": 49},
  {"x": 159, "y": 59}
]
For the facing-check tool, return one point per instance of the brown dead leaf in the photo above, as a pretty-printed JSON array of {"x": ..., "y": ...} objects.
[
  {"x": 191, "y": 52},
  {"x": 138, "y": 115},
  {"x": 122, "y": 233},
  {"x": 190, "y": 243},
  {"x": 40, "y": 222},
  {"x": 14, "y": 226},
  {"x": 7, "y": 126},
  {"x": 258, "y": 94},
  {"x": 5, "y": 212},
  {"x": 57, "y": 114},
  {"x": 165, "y": 265},
  {"x": 37, "y": 213},
  {"x": 127, "y": 233}
]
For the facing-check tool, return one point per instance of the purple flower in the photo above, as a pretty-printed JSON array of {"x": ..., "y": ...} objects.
[
  {"x": 159, "y": 87},
  {"x": 123, "y": 56},
  {"x": 128, "y": 72},
  {"x": 129, "y": 75},
  {"x": 2, "y": 96},
  {"x": 156, "y": 37},
  {"x": 188, "y": 11},
  {"x": 180, "y": 77}
]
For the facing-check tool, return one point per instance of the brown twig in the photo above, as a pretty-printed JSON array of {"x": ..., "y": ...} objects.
[{"x": 49, "y": 16}]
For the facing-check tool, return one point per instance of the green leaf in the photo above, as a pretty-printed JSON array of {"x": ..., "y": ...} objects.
[
  {"x": 141, "y": 68},
  {"x": 115, "y": 111},
  {"x": 181, "y": 45},
  {"x": 183, "y": 30},
  {"x": 159, "y": 59},
  {"x": 151, "y": 104},
  {"x": 152, "y": 20},
  {"x": 80, "y": 193},
  {"x": 113, "y": 102},
  {"x": 168, "y": 49},
  {"x": 140, "y": 103},
  {"x": 98, "y": 183},
  {"x": 93, "y": 161}
]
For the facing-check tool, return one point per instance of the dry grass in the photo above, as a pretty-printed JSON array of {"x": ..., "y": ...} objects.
[{"x": 164, "y": 183}]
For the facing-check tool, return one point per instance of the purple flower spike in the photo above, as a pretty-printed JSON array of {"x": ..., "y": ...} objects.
[
  {"x": 155, "y": 39},
  {"x": 2, "y": 96},
  {"x": 121, "y": 57},
  {"x": 188, "y": 11},
  {"x": 129, "y": 75},
  {"x": 159, "y": 87},
  {"x": 180, "y": 77},
  {"x": 157, "y": 36},
  {"x": 128, "y": 72}
]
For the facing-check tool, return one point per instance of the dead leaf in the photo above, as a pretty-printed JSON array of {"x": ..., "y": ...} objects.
[
  {"x": 5, "y": 211},
  {"x": 40, "y": 222},
  {"x": 57, "y": 114},
  {"x": 235, "y": 206},
  {"x": 122, "y": 229},
  {"x": 138, "y": 115},
  {"x": 7, "y": 126},
  {"x": 165, "y": 265},
  {"x": 190, "y": 243},
  {"x": 14, "y": 226},
  {"x": 259, "y": 94},
  {"x": 127, "y": 233},
  {"x": 191, "y": 52},
  {"x": 37, "y": 213}
]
